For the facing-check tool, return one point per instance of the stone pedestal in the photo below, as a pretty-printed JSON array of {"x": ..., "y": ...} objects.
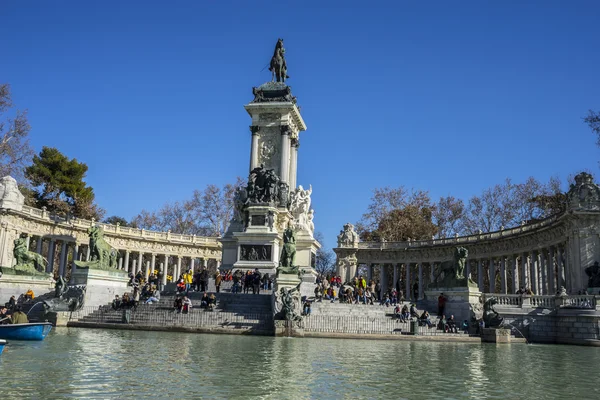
[
  {"x": 101, "y": 285},
  {"x": 461, "y": 301},
  {"x": 12, "y": 284},
  {"x": 287, "y": 327},
  {"x": 496, "y": 335}
]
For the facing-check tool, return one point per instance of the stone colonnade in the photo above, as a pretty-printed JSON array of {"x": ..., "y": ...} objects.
[
  {"x": 543, "y": 271},
  {"x": 62, "y": 252},
  {"x": 62, "y": 241}
]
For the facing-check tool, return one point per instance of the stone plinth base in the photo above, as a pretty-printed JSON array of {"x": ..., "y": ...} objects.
[
  {"x": 16, "y": 285},
  {"x": 460, "y": 301},
  {"x": 496, "y": 335},
  {"x": 288, "y": 328},
  {"x": 101, "y": 285}
]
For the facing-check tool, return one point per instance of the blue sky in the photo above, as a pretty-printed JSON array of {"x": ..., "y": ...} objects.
[{"x": 451, "y": 97}]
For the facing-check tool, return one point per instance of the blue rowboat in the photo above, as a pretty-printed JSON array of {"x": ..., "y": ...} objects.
[
  {"x": 31, "y": 331},
  {"x": 2, "y": 344}
]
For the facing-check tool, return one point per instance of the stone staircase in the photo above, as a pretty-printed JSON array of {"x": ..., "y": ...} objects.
[
  {"x": 234, "y": 313},
  {"x": 327, "y": 317}
]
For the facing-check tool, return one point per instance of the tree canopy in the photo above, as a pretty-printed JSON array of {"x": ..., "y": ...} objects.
[
  {"x": 58, "y": 184},
  {"x": 398, "y": 214}
]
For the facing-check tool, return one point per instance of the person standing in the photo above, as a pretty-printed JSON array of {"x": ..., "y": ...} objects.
[
  {"x": 441, "y": 304},
  {"x": 218, "y": 279},
  {"x": 204, "y": 280}
]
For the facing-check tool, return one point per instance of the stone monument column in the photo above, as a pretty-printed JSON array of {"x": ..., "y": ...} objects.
[
  {"x": 285, "y": 154},
  {"x": 294, "y": 163},
  {"x": 254, "y": 147}
]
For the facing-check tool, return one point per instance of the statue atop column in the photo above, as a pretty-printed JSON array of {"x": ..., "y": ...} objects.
[
  {"x": 584, "y": 194},
  {"x": 348, "y": 236},
  {"x": 288, "y": 253},
  {"x": 278, "y": 66}
]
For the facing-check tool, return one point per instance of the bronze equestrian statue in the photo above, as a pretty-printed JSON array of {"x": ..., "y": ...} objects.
[{"x": 278, "y": 67}]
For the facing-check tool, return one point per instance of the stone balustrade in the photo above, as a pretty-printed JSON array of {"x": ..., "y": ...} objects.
[{"x": 544, "y": 301}]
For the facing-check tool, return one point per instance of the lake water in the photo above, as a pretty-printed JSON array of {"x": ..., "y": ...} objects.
[{"x": 113, "y": 364}]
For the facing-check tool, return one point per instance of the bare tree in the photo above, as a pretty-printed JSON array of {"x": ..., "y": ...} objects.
[
  {"x": 15, "y": 151},
  {"x": 207, "y": 213},
  {"x": 325, "y": 259},
  {"x": 448, "y": 215},
  {"x": 593, "y": 120},
  {"x": 507, "y": 205}
]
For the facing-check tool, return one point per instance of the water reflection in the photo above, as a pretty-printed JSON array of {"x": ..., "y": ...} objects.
[{"x": 79, "y": 363}]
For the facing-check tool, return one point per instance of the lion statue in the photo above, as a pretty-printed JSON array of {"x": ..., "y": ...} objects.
[
  {"x": 454, "y": 271},
  {"x": 26, "y": 260},
  {"x": 490, "y": 316},
  {"x": 100, "y": 251}
]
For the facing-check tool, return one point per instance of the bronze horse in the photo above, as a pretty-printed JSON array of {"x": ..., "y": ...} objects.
[{"x": 278, "y": 67}]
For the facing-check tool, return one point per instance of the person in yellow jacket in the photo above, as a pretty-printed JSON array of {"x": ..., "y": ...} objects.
[
  {"x": 29, "y": 294},
  {"x": 188, "y": 279}
]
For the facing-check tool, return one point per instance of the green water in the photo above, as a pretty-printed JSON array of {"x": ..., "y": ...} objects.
[{"x": 112, "y": 364}]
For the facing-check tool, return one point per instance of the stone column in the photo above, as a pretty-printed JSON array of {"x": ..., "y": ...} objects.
[
  {"x": 503, "y": 275},
  {"x": 560, "y": 267},
  {"x": 87, "y": 253},
  {"x": 126, "y": 262},
  {"x": 533, "y": 264},
  {"x": 431, "y": 272},
  {"x": 550, "y": 268},
  {"x": 147, "y": 272},
  {"x": 480, "y": 275},
  {"x": 254, "y": 147},
  {"x": 178, "y": 270},
  {"x": 515, "y": 274},
  {"x": 218, "y": 266},
  {"x": 407, "y": 293},
  {"x": 51, "y": 249},
  {"x": 524, "y": 273},
  {"x": 120, "y": 263},
  {"x": 192, "y": 262},
  {"x": 369, "y": 272},
  {"x": 204, "y": 264},
  {"x": 543, "y": 279},
  {"x": 420, "y": 280},
  {"x": 38, "y": 248},
  {"x": 294, "y": 164},
  {"x": 492, "y": 277},
  {"x": 382, "y": 280},
  {"x": 395, "y": 275},
  {"x": 165, "y": 270},
  {"x": 133, "y": 267},
  {"x": 153, "y": 264},
  {"x": 285, "y": 153},
  {"x": 63, "y": 259},
  {"x": 75, "y": 257},
  {"x": 140, "y": 263}
]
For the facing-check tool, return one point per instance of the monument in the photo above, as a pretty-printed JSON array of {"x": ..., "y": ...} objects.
[
  {"x": 271, "y": 212},
  {"x": 462, "y": 295}
]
